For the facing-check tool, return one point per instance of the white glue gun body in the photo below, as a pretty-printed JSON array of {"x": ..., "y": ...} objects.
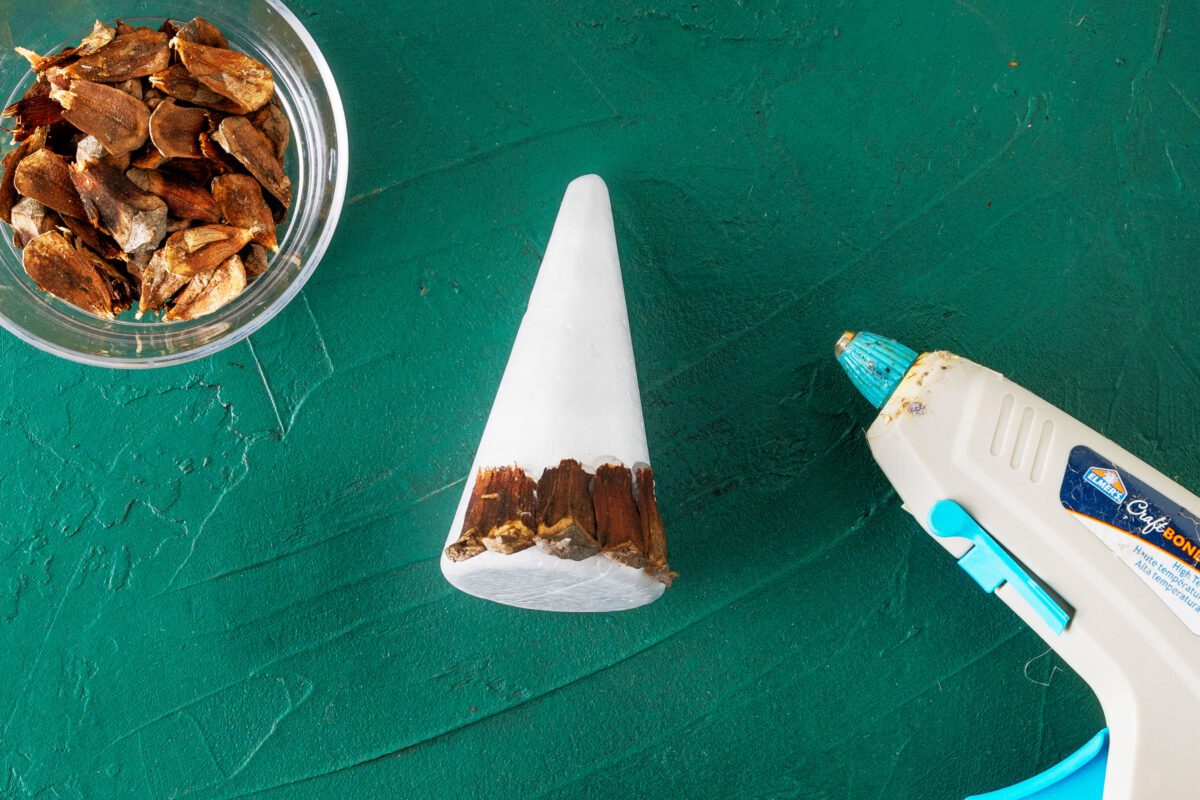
[{"x": 1094, "y": 549}]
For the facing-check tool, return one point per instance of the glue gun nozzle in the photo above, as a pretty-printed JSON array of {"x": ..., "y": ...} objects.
[
  {"x": 843, "y": 343},
  {"x": 875, "y": 364}
]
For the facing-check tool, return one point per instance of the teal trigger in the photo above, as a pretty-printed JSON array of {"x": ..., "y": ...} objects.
[{"x": 991, "y": 565}]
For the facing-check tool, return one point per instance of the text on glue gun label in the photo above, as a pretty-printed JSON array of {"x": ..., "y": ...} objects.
[{"x": 1157, "y": 538}]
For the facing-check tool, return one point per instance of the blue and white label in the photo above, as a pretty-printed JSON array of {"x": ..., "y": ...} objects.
[{"x": 1156, "y": 537}]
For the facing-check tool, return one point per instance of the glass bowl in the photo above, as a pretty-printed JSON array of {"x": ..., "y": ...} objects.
[{"x": 317, "y": 161}]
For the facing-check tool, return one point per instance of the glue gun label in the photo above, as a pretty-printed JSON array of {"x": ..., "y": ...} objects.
[{"x": 1156, "y": 537}]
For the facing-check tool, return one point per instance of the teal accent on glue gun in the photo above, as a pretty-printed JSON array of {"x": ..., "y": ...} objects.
[
  {"x": 875, "y": 364},
  {"x": 991, "y": 565}
]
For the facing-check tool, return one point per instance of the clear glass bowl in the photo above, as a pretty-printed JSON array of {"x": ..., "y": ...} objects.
[{"x": 317, "y": 161}]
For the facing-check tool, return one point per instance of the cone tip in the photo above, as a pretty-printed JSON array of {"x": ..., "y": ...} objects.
[
  {"x": 589, "y": 181},
  {"x": 584, "y": 226}
]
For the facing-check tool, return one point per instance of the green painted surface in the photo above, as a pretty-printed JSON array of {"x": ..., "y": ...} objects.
[{"x": 220, "y": 580}]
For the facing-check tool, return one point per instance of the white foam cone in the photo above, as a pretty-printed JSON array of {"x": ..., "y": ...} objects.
[{"x": 570, "y": 391}]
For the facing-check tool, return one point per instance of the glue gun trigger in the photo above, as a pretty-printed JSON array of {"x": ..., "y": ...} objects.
[{"x": 991, "y": 565}]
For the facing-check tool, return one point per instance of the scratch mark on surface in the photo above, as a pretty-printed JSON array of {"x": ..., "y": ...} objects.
[
  {"x": 973, "y": 9},
  {"x": 292, "y": 705},
  {"x": 229, "y": 487},
  {"x": 929, "y": 686},
  {"x": 1162, "y": 30},
  {"x": 280, "y": 556},
  {"x": 320, "y": 335},
  {"x": 439, "y": 490},
  {"x": 266, "y": 385},
  {"x": 725, "y": 341},
  {"x": 886, "y": 789},
  {"x": 208, "y": 748},
  {"x": 145, "y": 767},
  {"x": 587, "y": 77},
  {"x": 1173, "y": 346},
  {"x": 476, "y": 158},
  {"x": 1171, "y": 162},
  {"x": 997, "y": 31},
  {"x": 1187, "y": 101}
]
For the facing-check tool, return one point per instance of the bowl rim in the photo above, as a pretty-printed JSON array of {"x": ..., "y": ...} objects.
[{"x": 313, "y": 258}]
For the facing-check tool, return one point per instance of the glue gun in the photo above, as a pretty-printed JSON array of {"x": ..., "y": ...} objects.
[{"x": 1094, "y": 549}]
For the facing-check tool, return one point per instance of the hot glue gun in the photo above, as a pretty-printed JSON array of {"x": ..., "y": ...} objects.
[{"x": 1093, "y": 548}]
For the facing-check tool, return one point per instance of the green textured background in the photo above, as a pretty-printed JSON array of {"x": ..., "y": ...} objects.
[{"x": 220, "y": 580}]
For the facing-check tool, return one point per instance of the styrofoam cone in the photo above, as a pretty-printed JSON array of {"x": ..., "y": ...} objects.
[{"x": 570, "y": 391}]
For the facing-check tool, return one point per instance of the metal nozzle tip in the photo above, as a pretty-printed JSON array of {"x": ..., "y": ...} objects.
[{"x": 843, "y": 343}]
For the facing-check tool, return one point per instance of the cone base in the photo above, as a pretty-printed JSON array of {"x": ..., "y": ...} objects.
[{"x": 536, "y": 580}]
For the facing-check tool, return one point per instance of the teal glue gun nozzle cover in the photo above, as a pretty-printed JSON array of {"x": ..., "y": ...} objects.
[{"x": 875, "y": 364}]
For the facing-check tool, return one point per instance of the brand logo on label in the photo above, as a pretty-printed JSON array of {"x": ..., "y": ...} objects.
[{"x": 1108, "y": 481}]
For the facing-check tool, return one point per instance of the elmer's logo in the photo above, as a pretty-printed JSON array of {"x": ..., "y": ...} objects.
[{"x": 1108, "y": 481}]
